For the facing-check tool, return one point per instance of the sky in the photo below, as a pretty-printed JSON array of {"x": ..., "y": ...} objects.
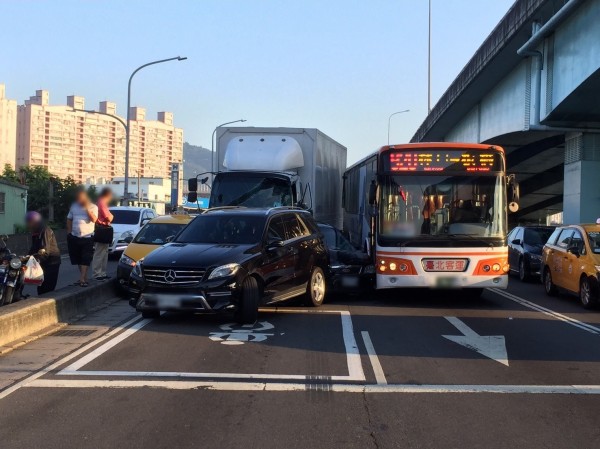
[{"x": 342, "y": 66}]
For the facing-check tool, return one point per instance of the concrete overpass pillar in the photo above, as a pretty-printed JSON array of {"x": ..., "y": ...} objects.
[{"x": 582, "y": 178}]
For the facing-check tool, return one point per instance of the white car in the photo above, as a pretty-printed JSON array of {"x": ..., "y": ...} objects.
[{"x": 127, "y": 222}]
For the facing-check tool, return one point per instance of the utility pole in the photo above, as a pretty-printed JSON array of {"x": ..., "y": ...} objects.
[{"x": 429, "y": 63}]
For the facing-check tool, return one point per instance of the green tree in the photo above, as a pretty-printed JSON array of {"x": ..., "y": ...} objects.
[{"x": 10, "y": 174}]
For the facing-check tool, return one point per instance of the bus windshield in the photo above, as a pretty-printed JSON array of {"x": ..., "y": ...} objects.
[{"x": 422, "y": 206}]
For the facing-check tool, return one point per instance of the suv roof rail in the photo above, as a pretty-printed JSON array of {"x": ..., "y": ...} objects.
[
  {"x": 224, "y": 208},
  {"x": 294, "y": 208}
]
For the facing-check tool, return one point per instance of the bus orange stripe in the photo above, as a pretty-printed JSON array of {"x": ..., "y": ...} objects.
[{"x": 386, "y": 253}]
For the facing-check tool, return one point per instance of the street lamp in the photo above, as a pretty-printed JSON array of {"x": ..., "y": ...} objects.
[
  {"x": 91, "y": 111},
  {"x": 212, "y": 140},
  {"x": 128, "y": 128},
  {"x": 390, "y": 120}
]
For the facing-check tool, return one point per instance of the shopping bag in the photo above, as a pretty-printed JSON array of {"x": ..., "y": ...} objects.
[
  {"x": 103, "y": 234},
  {"x": 34, "y": 274}
]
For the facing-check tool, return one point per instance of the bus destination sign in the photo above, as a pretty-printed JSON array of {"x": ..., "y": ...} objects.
[{"x": 441, "y": 160}]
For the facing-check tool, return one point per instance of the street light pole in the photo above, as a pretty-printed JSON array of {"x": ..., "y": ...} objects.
[
  {"x": 429, "y": 63},
  {"x": 212, "y": 140},
  {"x": 116, "y": 117},
  {"x": 390, "y": 121},
  {"x": 128, "y": 128}
]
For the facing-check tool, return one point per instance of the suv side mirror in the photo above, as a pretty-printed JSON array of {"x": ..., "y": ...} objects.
[
  {"x": 372, "y": 193},
  {"x": 170, "y": 238},
  {"x": 574, "y": 250},
  {"x": 275, "y": 244},
  {"x": 516, "y": 242}
]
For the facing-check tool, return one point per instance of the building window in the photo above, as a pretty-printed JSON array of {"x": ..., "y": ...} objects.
[{"x": 2, "y": 202}]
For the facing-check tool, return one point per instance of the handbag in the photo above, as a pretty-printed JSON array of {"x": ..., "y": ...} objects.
[
  {"x": 34, "y": 274},
  {"x": 103, "y": 233}
]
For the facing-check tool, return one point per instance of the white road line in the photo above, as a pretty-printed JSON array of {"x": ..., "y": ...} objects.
[
  {"x": 105, "y": 347},
  {"x": 355, "y": 369},
  {"x": 377, "y": 369},
  {"x": 337, "y": 388},
  {"x": 559, "y": 316},
  {"x": 53, "y": 366}
]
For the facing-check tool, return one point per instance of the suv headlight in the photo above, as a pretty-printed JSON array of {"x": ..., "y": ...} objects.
[
  {"x": 127, "y": 260},
  {"x": 224, "y": 271},
  {"x": 137, "y": 269},
  {"x": 15, "y": 263}
]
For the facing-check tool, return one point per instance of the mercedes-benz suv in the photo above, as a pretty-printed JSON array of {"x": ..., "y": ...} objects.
[{"x": 234, "y": 259}]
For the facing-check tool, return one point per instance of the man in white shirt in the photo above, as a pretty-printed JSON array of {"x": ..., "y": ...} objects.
[{"x": 80, "y": 228}]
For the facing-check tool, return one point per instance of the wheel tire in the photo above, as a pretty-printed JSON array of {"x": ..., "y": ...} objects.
[
  {"x": 9, "y": 294},
  {"x": 549, "y": 286},
  {"x": 316, "y": 288},
  {"x": 523, "y": 272},
  {"x": 150, "y": 314},
  {"x": 586, "y": 296},
  {"x": 247, "y": 312}
]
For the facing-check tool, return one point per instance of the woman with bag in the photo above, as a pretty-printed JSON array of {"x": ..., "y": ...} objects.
[
  {"x": 45, "y": 249},
  {"x": 103, "y": 235}
]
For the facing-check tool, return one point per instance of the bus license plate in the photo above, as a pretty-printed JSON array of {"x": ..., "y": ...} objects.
[{"x": 446, "y": 282}]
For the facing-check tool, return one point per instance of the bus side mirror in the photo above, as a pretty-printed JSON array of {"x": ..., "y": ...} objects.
[
  {"x": 192, "y": 197},
  {"x": 513, "y": 194},
  {"x": 372, "y": 193},
  {"x": 193, "y": 184}
]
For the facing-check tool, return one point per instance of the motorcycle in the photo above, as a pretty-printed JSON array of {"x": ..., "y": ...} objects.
[{"x": 11, "y": 274}]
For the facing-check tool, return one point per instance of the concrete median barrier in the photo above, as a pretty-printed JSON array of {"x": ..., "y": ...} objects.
[{"x": 27, "y": 317}]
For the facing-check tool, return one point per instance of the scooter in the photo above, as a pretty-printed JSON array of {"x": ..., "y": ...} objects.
[{"x": 11, "y": 274}]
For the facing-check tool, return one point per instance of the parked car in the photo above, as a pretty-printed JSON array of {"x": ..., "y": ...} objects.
[
  {"x": 234, "y": 259},
  {"x": 126, "y": 224},
  {"x": 350, "y": 269},
  {"x": 525, "y": 244},
  {"x": 156, "y": 232},
  {"x": 571, "y": 262}
]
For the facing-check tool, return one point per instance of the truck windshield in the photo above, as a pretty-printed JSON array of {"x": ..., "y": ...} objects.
[
  {"x": 250, "y": 191},
  {"x": 442, "y": 206},
  {"x": 223, "y": 229}
]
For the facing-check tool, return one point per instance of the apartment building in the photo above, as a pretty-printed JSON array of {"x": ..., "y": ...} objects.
[
  {"x": 8, "y": 129},
  {"x": 72, "y": 142}
]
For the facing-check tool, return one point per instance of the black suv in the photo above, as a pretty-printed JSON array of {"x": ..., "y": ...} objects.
[{"x": 234, "y": 259}]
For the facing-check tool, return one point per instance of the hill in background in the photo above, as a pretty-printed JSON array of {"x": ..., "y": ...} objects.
[{"x": 195, "y": 160}]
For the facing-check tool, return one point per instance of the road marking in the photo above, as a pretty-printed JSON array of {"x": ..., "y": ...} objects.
[
  {"x": 62, "y": 361},
  {"x": 355, "y": 369},
  {"x": 234, "y": 334},
  {"x": 337, "y": 388},
  {"x": 493, "y": 346},
  {"x": 377, "y": 369},
  {"x": 559, "y": 316}
]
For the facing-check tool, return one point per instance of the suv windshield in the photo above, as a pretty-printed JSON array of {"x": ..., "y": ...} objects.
[
  {"x": 537, "y": 236},
  {"x": 250, "y": 191},
  {"x": 129, "y": 217},
  {"x": 157, "y": 233},
  {"x": 223, "y": 228}
]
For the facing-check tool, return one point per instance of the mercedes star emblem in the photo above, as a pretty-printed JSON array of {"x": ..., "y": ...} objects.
[{"x": 170, "y": 275}]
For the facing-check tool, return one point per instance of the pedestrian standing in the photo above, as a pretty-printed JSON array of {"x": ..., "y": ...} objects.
[
  {"x": 44, "y": 248},
  {"x": 103, "y": 237},
  {"x": 80, "y": 227}
]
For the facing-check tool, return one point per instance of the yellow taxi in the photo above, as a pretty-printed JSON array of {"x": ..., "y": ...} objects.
[
  {"x": 155, "y": 233},
  {"x": 571, "y": 262}
]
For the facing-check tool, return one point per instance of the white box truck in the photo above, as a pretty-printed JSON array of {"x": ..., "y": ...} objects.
[{"x": 270, "y": 167}]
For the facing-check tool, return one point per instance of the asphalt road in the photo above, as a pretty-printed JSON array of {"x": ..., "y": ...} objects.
[{"x": 404, "y": 369}]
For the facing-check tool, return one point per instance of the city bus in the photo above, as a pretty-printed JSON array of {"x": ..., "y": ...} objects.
[{"x": 432, "y": 214}]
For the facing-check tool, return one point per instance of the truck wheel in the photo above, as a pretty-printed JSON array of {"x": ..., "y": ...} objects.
[
  {"x": 247, "y": 312},
  {"x": 586, "y": 296},
  {"x": 549, "y": 286},
  {"x": 315, "y": 290},
  {"x": 150, "y": 314}
]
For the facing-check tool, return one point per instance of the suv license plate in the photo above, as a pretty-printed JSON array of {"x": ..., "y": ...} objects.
[{"x": 168, "y": 301}]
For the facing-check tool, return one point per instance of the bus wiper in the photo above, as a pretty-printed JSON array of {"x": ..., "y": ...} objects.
[{"x": 473, "y": 237}]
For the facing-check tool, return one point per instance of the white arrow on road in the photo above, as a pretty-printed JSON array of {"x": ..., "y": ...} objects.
[{"x": 493, "y": 347}]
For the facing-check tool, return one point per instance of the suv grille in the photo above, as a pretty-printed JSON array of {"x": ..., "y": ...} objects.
[{"x": 173, "y": 276}]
